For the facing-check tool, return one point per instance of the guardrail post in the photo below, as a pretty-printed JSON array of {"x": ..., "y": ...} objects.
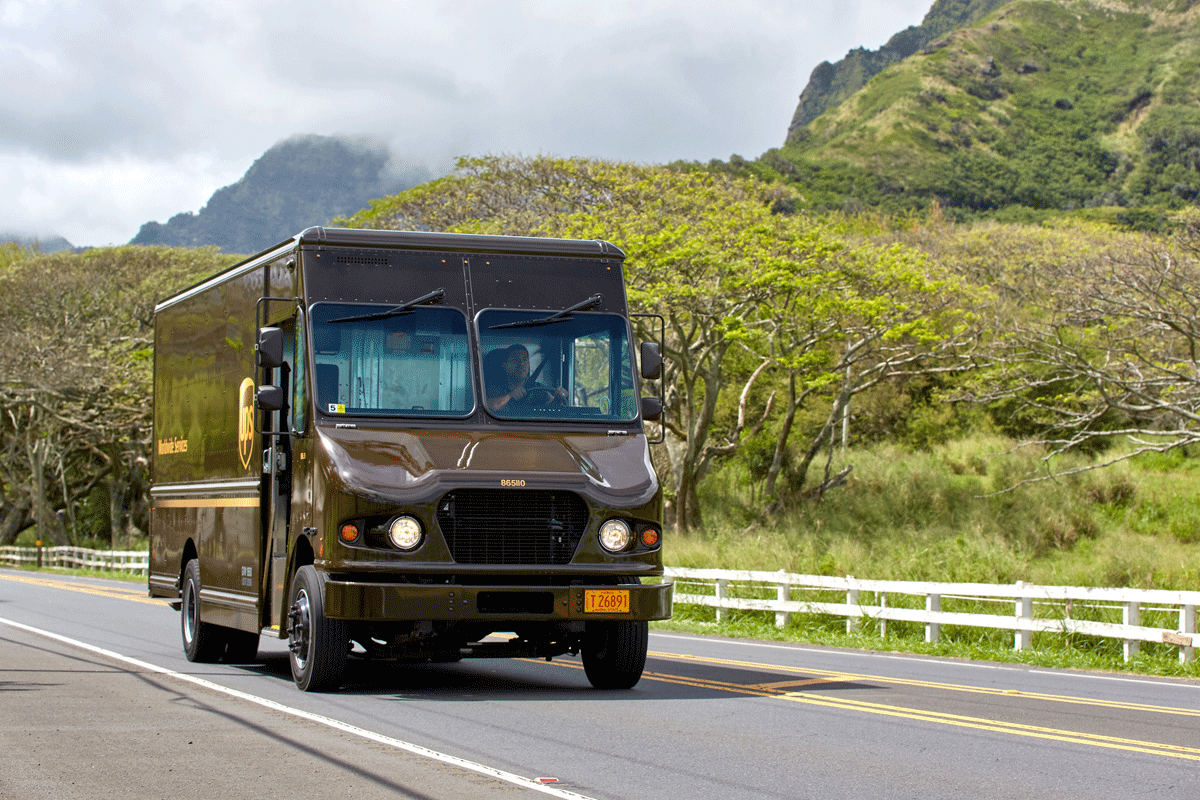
[
  {"x": 722, "y": 590},
  {"x": 933, "y": 630},
  {"x": 782, "y": 594},
  {"x": 1187, "y": 624},
  {"x": 1131, "y": 614},
  {"x": 1023, "y": 639},
  {"x": 882, "y": 619},
  {"x": 851, "y": 600}
]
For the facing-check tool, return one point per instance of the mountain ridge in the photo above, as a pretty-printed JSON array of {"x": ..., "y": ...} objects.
[
  {"x": 1045, "y": 105},
  {"x": 51, "y": 243},
  {"x": 831, "y": 84},
  {"x": 300, "y": 181}
]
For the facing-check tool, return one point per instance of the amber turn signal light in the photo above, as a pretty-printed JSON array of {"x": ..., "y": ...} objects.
[
  {"x": 650, "y": 537},
  {"x": 349, "y": 532}
]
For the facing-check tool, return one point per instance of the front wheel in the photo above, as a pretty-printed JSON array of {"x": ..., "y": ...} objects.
[
  {"x": 614, "y": 653},
  {"x": 318, "y": 645}
]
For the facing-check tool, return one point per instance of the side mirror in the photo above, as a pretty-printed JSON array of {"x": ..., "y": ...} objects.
[
  {"x": 651, "y": 361},
  {"x": 270, "y": 347},
  {"x": 651, "y": 408},
  {"x": 269, "y": 398}
]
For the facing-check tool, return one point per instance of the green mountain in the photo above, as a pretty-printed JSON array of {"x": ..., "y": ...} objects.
[
  {"x": 830, "y": 84},
  {"x": 1041, "y": 104},
  {"x": 302, "y": 181}
]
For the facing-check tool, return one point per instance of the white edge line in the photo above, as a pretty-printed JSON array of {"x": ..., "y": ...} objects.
[{"x": 409, "y": 747}]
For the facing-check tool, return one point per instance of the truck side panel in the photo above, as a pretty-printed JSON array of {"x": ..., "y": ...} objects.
[{"x": 206, "y": 499}]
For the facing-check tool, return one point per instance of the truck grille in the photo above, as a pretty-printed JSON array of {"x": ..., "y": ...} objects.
[{"x": 502, "y": 526}]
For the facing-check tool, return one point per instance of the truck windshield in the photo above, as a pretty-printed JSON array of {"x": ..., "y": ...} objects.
[
  {"x": 577, "y": 367},
  {"x": 414, "y": 362}
]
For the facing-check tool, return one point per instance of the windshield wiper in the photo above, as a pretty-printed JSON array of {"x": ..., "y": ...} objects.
[
  {"x": 435, "y": 295},
  {"x": 566, "y": 313}
]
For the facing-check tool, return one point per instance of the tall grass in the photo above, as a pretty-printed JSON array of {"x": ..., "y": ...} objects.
[{"x": 955, "y": 513}]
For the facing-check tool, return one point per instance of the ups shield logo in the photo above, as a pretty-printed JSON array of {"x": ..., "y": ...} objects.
[{"x": 246, "y": 422}]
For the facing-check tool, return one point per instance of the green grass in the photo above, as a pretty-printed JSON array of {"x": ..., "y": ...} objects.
[
  {"x": 111, "y": 575},
  {"x": 1049, "y": 650}
]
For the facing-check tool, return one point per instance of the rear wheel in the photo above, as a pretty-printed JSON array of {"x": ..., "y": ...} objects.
[
  {"x": 614, "y": 653},
  {"x": 203, "y": 642},
  {"x": 319, "y": 646}
]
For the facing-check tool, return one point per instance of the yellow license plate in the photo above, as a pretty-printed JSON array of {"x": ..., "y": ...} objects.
[{"x": 606, "y": 601}]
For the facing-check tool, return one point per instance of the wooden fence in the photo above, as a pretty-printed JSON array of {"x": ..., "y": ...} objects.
[
  {"x": 1044, "y": 609},
  {"x": 132, "y": 561},
  {"x": 1035, "y": 609}
]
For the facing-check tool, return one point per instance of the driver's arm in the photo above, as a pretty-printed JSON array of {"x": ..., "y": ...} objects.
[{"x": 497, "y": 403}]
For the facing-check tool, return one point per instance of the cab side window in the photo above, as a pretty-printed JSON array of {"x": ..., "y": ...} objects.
[{"x": 297, "y": 357}]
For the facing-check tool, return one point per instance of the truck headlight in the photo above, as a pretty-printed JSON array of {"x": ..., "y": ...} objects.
[
  {"x": 615, "y": 535},
  {"x": 405, "y": 533}
]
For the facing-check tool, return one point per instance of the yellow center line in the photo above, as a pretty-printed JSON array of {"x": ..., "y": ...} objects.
[
  {"x": 1000, "y": 726},
  {"x": 115, "y": 592},
  {"x": 780, "y": 685},
  {"x": 834, "y": 676},
  {"x": 957, "y": 720}
]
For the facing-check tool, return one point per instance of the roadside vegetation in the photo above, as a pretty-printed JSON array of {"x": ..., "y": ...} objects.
[
  {"x": 944, "y": 514},
  {"x": 76, "y": 352},
  {"x": 949, "y": 514}
]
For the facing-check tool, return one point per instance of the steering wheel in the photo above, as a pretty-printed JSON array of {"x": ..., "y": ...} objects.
[{"x": 543, "y": 396}]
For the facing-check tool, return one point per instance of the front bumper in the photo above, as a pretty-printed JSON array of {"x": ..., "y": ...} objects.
[{"x": 406, "y": 602}]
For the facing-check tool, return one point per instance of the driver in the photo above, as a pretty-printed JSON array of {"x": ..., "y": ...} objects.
[{"x": 513, "y": 385}]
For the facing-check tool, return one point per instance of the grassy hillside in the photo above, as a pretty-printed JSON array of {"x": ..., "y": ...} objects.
[
  {"x": 1042, "y": 105},
  {"x": 950, "y": 513},
  {"x": 831, "y": 84}
]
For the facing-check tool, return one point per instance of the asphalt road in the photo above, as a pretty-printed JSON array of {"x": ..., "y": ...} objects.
[{"x": 97, "y": 700}]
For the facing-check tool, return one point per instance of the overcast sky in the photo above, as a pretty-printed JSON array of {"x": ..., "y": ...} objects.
[{"x": 116, "y": 113}]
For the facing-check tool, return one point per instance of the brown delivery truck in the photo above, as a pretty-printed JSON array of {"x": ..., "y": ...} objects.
[{"x": 408, "y": 446}]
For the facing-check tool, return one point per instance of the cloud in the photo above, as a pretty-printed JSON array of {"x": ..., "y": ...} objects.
[
  {"x": 119, "y": 112},
  {"x": 106, "y": 200}
]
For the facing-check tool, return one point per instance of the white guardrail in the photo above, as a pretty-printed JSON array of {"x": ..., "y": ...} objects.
[
  {"x": 133, "y": 561},
  {"x": 1045, "y": 609}
]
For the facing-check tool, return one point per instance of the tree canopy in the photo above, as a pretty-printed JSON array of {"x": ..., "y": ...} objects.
[
  {"x": 75, "y": 362},
  {"x": 729, "y": 273}
]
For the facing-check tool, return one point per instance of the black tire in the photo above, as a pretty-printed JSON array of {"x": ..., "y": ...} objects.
[
  {"x": 614, "y": 653},
  {"x": 318, "y": 645},
  {"x": 241, "y": 647},
  {"x": 203, "y": 642}
]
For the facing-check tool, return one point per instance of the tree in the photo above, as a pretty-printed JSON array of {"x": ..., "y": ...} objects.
[
  {"x": 1111, "y": 350},
  {"x": 872, "y": 314},
  {"x": 75, "y": 359}
]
